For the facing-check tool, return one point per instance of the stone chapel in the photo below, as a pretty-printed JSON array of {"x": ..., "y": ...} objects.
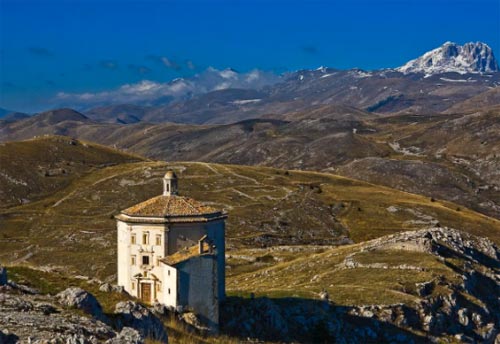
[{"x": 171, "y": 250}]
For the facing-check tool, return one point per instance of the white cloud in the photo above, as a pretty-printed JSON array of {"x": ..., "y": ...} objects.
[{"x": 147, "y": 92}]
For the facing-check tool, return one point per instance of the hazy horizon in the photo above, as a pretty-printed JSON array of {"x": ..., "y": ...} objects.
[{"x": 74, "y": 47}]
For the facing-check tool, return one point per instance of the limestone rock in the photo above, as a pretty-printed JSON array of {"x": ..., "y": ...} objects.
[
  {"x": 324, "y": 295},
  {"x": 160, "y": 309},
  {"x": 117, "y": 288},
  {"x": 462, "y": 317},
  {"x": 25, "y": 318},
  {"x": 106, "y": 287},
  {"x": 127, "y": 335},
  {"x": 23, "y": 288},
  {"x": 81, "y": 299},
  {"x": 191, "y": 319},
  {"x": 131, "y": 314}
]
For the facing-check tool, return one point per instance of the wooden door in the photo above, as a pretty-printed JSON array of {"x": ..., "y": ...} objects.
[{"x": 146, "y": 292}]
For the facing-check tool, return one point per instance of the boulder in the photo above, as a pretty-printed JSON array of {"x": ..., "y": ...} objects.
[
  {"x": 118, "y": 288},
  {"x": 23, "y": 288},
  {"x": 106, "y": 287},
  {"x": 3, "y": 275},
  {"x": 127, "y": 335},
  {"x": 323, "y": 295},
  {"x": 463, "y": 318},
  {"x": 159, "y": 309},
  {"x": 131, "y": 314},
  {"x": 81, "y": 299},
  {"x": 193, "y": 320}
]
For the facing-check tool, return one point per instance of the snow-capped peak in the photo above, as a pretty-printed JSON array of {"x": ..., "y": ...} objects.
[{"x": 451, "y": 57}]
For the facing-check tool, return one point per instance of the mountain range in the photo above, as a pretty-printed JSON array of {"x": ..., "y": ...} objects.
[
  {"x": 364, "y": 206},
  {"x": 451, "y": 57},
  {"x": 432, "y": 134},
  {"x": 430, "y": 83}
]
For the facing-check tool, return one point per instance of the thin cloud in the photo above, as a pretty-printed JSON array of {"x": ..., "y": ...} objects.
[
  {"x": 165, "y": 61},
  {"x": 170, "y": 63},
  {"x": 39, "y": 51},
  {"x": 139, "y": 69},
  {"x": 147, "y": 92},
  {"x": 109, "y": 64},
  {"x": 190, "y": 65}
]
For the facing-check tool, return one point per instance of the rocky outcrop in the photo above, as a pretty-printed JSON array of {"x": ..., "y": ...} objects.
[
  {"x": 127, "y": 335},
  {"x": 107, "y": 287},
  {"x": 36, "y": 319},
  {"x": 450, "y": 57},
  {"x": 72, "y": 316},
  {"x": 465, "y": 308},
  {"x": 81, "y": 299},
  {"x": 131, "y": 314}
]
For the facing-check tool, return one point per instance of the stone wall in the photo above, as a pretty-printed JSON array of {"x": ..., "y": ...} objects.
[{"x": 198, "y": 288}]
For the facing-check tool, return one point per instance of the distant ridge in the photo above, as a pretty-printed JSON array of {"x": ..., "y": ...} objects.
[
  {"x": 14, "y": 116},
  {"x": 60, "y": 115}
]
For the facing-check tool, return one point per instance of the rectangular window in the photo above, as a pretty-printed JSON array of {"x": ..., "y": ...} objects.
[
  {"x": 145, "y": 240},
  {"x": 169, "y": 290},
  {"x": 132, "y": 260},
  {"x": 169, "y": 272},
  {"x": 132, "y": 239},
  {"x": 145, "y": 260},
  {"x": 158, "y": 240}
]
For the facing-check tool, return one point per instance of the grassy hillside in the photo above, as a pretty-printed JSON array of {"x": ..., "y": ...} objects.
[
  {"x": 447, "y": 156},
  {"x": 291, "y": 235},
  {"x": 32, "y": 169},
  {"x": 74, "y": 228},
  {"x": 379, "y": 280}
]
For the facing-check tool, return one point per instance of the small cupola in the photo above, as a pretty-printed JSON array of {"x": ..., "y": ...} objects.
[{"x": 170, "y": 184}]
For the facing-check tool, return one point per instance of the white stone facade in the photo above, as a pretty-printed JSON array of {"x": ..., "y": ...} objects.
[{"x": 158, "y": 257}]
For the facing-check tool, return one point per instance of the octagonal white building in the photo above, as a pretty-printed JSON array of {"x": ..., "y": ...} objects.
[{"x": 171, "y": 250}]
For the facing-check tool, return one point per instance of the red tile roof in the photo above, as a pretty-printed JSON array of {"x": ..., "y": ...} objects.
[
  {"x": 185, "y": 254},
  {"x": 170, "y": 206}
]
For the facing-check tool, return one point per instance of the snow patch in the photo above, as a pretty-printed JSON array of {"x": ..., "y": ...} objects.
[
  {"x": 246, "y": 101},
  {"x": 453, "y": 58}
]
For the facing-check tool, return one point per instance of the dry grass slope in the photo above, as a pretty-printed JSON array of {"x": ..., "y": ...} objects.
[{"x": 74, "y": 229}]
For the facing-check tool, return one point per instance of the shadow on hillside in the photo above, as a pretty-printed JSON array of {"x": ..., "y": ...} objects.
[
  {"x": 8, "y": 338},
  {"x": 302, "y": 320},
  {"x": 481, "y": 286}
]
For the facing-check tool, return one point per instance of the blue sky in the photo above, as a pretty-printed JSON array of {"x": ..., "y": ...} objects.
[{"x": 51, "y": 46}]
